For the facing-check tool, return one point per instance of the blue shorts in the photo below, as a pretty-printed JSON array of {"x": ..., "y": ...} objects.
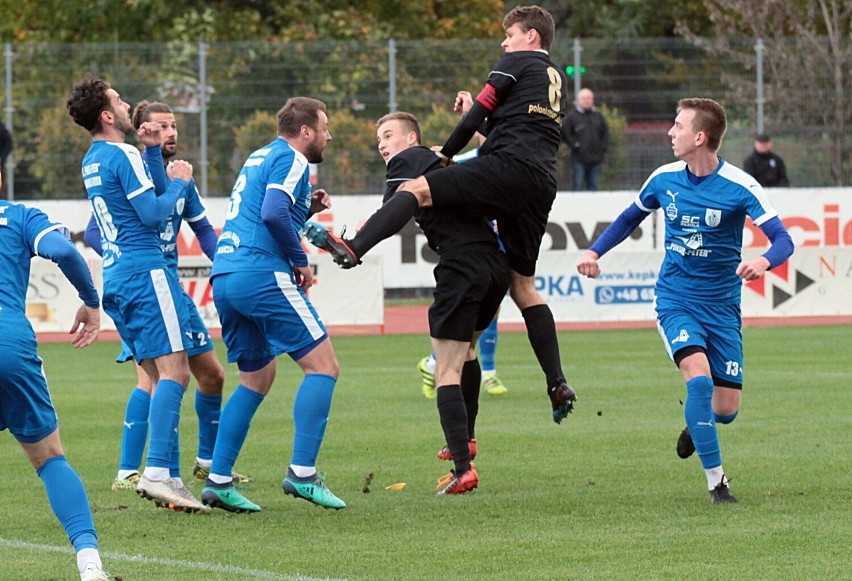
[
  {"x": 201, "y": 340},
  {"x": 264, "y": 314},
  {"x": 149, "y": 313},
  {"x": 25, "y": 406},
  {"x": 715, "y": 327}
]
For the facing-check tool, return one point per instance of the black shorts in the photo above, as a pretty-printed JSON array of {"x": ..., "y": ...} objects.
[
  {"x": 514, "y": 192},
  {"x": 470, "y": 283}
]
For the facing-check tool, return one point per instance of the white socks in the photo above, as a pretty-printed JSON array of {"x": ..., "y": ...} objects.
[
  {"x": 86, "y": 556},
  {"x": 714, "y": 477}
]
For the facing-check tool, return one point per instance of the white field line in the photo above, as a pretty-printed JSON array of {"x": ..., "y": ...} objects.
[{"x": 192, "y": 565}]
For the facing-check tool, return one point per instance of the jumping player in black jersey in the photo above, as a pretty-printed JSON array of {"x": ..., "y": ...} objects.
[
  {"x": 471, "y": 279},
  {"x": 520, "y": 111}
]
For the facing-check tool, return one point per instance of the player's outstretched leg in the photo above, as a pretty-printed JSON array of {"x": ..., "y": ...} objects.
[{"x": 322, "y": 237}]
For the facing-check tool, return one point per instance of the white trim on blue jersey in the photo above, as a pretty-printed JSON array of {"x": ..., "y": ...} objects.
[
  {"x": 138, "y": 165},
  {"x": 297, "y": 302},
  {"x": 703, "y": 228},
  {"x": 291, "y": 182},
  {"x": 41, "y": 234},
  {"x": 167, "y": 309},
  {"x": 747, "y": 181}
]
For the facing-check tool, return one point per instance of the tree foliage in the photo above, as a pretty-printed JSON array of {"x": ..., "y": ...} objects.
[
  {"x": 803, "y": 39},
  {"x": 225, "y": 20}
]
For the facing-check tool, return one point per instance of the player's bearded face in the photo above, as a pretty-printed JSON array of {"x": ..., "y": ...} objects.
[
  {"x": 122, "y": 121},
  {"x": 321, "y": 137}
]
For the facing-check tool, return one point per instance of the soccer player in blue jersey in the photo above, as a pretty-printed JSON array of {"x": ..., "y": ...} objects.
[
  {"x": 25, "y": 406},
  {"x": 203, "y": 363},
  {"x": 705, "y": 201},
  {"x": 260, "y": 275},
  {"x": 142, "y": 294},
  {"x": 520, "y": 112}
]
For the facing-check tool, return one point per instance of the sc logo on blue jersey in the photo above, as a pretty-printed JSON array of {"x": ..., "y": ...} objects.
[{"x": 690, "y": 222}]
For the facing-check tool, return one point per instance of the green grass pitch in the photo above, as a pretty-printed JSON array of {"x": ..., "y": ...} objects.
[{"x": 602, "y": 496}]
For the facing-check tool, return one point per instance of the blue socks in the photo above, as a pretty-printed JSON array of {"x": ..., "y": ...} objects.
[
  {"x": 233, "y": 429},
  {"x": 488, "y": 346},
  {"x": 69, "y": 502},
  {"x": 698, "y": 412},
  {"x": 135, "y": 433},
  {"x": 163, "y": 422},
  {"x": 310, "y": 416},
  {"x": 208, "y": 408}
]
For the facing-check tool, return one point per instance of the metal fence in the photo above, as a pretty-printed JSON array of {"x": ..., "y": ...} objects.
[{"x": 226, "y": 95}]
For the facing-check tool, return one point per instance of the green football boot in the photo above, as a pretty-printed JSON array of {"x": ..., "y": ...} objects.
[{"x": 312, "y": 489}]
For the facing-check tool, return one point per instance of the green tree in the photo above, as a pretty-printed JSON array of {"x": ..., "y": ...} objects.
[{"x": 802, "y": 40}]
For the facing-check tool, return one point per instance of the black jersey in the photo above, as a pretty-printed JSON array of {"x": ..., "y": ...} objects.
[
  {"x": 443, "y": 229},
  {"x": 526, "y": 97}
]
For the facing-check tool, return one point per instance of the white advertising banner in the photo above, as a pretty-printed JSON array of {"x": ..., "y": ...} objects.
[{"x": 816, "y": 281}]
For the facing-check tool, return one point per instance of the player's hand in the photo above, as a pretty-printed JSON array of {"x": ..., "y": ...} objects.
[
  {"x": 87, "y": 326},
  {"x": 179, "y": 169},
  {"x": 463, "y": 102},
  {"x": 304, "y": 276},
  {"x": 149, "y": 134},
  {"x": 588, "y": 264},
  {"x": 320, "y": 200},
  {"x": 753, "y": 269}
]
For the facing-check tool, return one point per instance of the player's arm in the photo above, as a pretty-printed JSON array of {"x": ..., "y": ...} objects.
[
  {"x": 781, "y": 249},
  {"x": 152, "y": 209},
  {"x": 92, "y": 236},
  {"x": 275, "y": 213},
  {"x": 467, "y": 127},
  {"x": 614, "y": 235},
  {"x": 207, "y": 237},
  {"x": 195, "y": 214},
  {"x": 154, "y": 159},
  {"x": 56, "y": 247}
]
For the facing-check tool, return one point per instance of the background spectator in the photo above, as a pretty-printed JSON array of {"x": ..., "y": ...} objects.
[
  {"x": 587, "y": 134},
  {"x": 765, "y": 165}
]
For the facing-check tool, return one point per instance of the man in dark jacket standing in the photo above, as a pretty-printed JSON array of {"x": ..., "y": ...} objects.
[
  {"x": 586, "y": 133},
  {"x": 765, "y": 165}
]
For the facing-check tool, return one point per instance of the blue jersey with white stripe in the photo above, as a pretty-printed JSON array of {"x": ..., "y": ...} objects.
[
  {"x": 245, "y": 243},
  {"x": 704, "y": 228},
  {"x": 21, "y": 230},
  {"x": 189, "y": 207},
  {"x": 114, "y": 173}
]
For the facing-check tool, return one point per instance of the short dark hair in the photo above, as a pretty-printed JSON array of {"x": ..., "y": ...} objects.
[
  {"x": 709, "y": 117},
  {"x": 533, "y": 18},
  {"x": 298, "y": 111},
  {"x": 408, "y": 120},
  {"x": 87, "y": 101},
  {"x": 143, "y": 110},
  {"x": 762, "y": 138}
]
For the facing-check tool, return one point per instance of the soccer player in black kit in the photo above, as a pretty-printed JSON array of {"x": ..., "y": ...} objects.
[
  {"x": 471, "y": 279},
  {"x": 513, "y": 180}
]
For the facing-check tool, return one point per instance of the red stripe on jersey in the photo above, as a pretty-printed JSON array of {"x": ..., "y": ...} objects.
[{"x": 488, "y": 97}]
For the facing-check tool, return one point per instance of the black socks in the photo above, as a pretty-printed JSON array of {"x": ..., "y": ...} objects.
[
  {"x": 541, "y": 330},
  {"x": 454, "y": 423}
]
